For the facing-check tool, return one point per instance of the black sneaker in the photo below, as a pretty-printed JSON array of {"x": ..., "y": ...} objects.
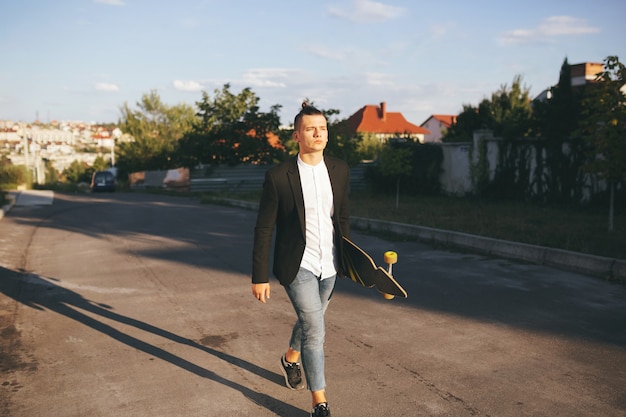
[
  {"x": 321, "y": 410},
  {"x": 292, "y": 373}
]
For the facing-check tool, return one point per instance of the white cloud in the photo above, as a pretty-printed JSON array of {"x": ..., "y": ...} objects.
[
  {"x": 188, "y": 85},
  {"x": 550, "y": 28},
  {"x": 111, "y": 2},
  {"x": 107, "y": 87},
  {"x": 367, "y": 11},
  {"x": 266, "y": 77}
]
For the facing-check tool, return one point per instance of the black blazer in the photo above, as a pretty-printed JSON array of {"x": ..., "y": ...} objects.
[{"x": 282, "y": 208}]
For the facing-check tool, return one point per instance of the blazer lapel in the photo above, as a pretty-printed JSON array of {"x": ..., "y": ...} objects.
[
  {"x": 293, "y": 175},
  {"x": 330, "y": 166}
]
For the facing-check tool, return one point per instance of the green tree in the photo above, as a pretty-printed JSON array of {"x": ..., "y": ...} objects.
[
  {"x": 604, "y": 127},
  {"x": 230, "y": 129},
  {"x": 560, "y": 153},
  {"x": 12, "y": 175},
  {"x": 77, "y": 172},
  {"x": 507, "y": 113},
  {"x": 51, "y": 175},
  {"x": 416, "y": 165},
  {"x": 368, "y": 147},
  {"x": 100, "y": 164},
  {"x": 155, "y": 128},
  {"x": 511, "y": 110},
  {"x": 467, "y": 122},
  {"x": 395, "y": 164}
]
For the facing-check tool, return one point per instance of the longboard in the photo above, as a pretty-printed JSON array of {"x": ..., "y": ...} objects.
[{"x": 361, "y": 268}]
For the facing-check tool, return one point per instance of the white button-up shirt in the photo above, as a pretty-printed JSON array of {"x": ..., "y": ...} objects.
[{"x": 319, "y": 256}]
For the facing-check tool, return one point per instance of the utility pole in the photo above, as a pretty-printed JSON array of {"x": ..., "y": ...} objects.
[{"x": 25, "y": 144}]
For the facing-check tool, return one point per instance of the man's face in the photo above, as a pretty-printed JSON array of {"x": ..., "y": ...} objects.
[{"x": 312, "y": 135}]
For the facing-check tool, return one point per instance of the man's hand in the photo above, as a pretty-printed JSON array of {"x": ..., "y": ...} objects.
[{"x": 261, "y": 292}]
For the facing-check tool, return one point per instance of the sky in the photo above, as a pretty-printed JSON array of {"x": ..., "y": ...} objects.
[{"x": 82, "y": 60}]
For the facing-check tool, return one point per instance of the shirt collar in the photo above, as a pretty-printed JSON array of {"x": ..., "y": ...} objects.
[{"x": 302, "y": 164}]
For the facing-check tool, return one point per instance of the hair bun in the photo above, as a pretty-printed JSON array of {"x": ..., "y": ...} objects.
[{"x": 305, "y": 104}]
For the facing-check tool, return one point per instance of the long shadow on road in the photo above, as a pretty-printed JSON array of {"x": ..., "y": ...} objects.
[
  {"x": 43, "y": 294},
  {"x": 495, "y": 290}
]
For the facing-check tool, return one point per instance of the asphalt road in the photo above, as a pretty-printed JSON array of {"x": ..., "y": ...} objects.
[{"x": 140, "y": 305}]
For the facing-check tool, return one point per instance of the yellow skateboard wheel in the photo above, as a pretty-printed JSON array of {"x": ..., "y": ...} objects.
[{"x": 390, "y": 257}]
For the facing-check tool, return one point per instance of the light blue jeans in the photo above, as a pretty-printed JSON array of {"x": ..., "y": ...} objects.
[{"x": 310, "y": 296}]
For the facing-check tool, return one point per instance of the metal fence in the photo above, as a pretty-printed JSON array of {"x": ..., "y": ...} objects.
[{"x": 244, "y": 178}]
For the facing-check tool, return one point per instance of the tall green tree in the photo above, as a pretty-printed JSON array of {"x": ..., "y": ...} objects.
[
  {"x": 12, "y": 175},
  {"x": 394, "y": 164},
  {"x": 230, "y": 129},
  {"x": 77, "y": 172},
  {"x": 560, "y": 154},
  {"x": 100, "y": 164},
  {"x": 604, "y": 127},
  {"x": 507, "y": 113},
  {"x": 417, "y": 166},
  {"x": 469, "y": 120},
  {"x": 155, "y": 128},
  {"x": 560, "y": 112},
  {"x": 368, "y": 147},
  {"x": 51, "y": 173}
]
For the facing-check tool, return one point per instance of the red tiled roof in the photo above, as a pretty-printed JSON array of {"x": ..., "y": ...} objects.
[
  {"x": 446, "y": 119},
  {"x": 102, "y": 135},
  {"x": 376, "y": 119}
]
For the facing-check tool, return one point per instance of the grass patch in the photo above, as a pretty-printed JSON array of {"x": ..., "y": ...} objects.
[{"x": 575, "y": 229}]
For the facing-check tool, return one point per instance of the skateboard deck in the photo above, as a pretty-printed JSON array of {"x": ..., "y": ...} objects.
[{"x": 361, "y": 268}]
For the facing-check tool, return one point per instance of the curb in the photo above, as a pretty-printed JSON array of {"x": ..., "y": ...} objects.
[{"x": 597, "y": 266}]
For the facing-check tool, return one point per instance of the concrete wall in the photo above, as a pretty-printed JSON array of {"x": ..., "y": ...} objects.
[{"x": 455, "y": 178}]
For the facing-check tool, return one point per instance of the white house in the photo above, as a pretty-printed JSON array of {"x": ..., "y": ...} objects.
[{"x": 437, "y": 124}]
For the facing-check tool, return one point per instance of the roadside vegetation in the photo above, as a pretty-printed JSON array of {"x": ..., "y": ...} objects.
[
  {"x": 10, "y": 177},
  {"x": 570, "y": 228}
]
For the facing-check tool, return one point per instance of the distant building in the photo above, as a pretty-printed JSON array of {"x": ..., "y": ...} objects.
[
  {"x": 437, "y": 124},
  {"x": 372, "y": 119},
  {"x": 585, "y": 73},
  {"x": 103, "y": 139},
  {"x": 580, "y": 74}
]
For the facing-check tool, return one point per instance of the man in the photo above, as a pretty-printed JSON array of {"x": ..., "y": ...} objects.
[{"x": 306, "y": 200}]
